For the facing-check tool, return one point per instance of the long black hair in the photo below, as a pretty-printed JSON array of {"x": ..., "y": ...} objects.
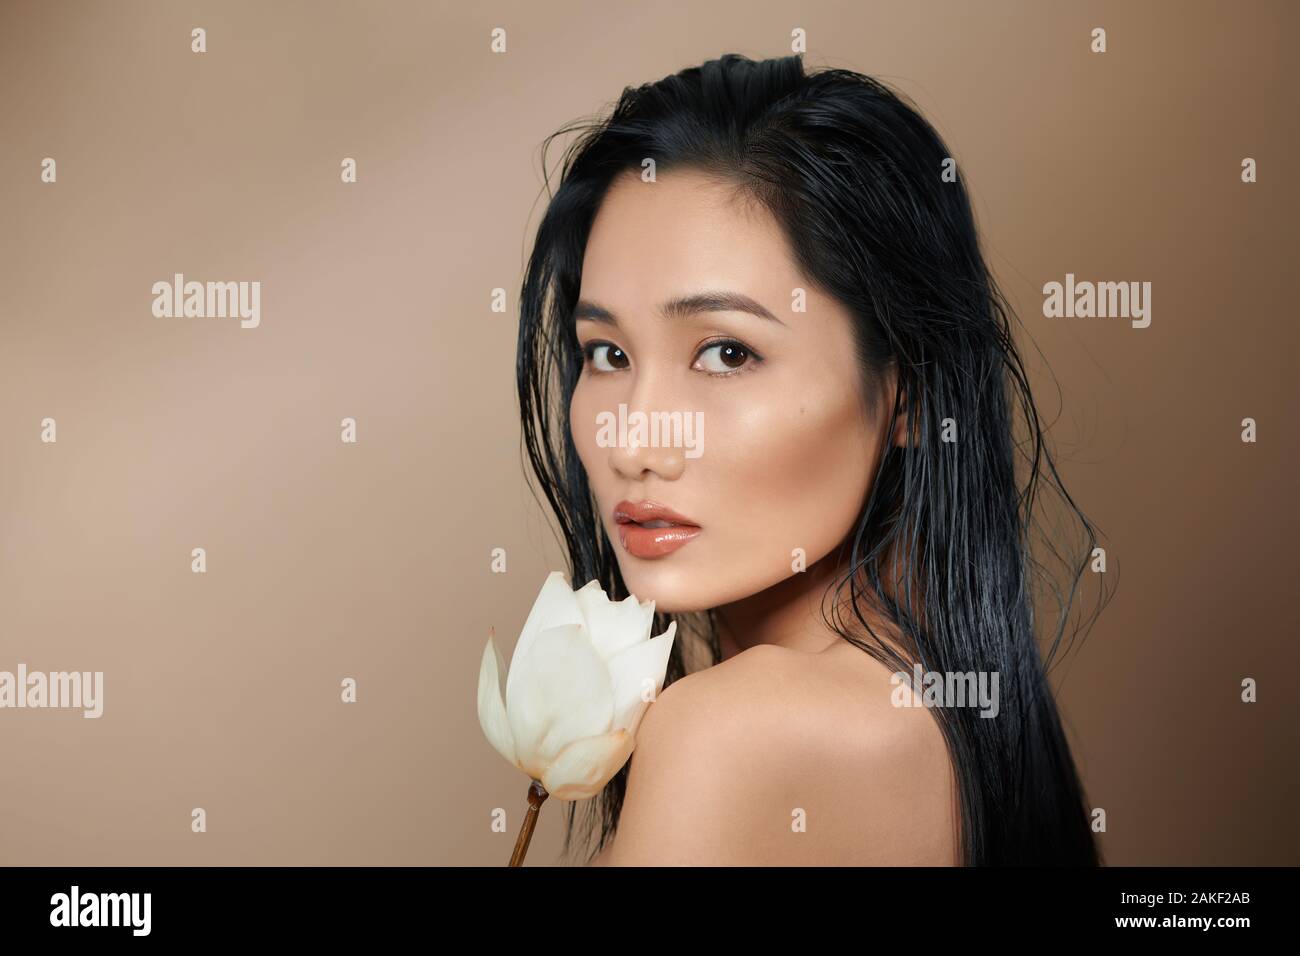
[{"x": 867, "y": 194}]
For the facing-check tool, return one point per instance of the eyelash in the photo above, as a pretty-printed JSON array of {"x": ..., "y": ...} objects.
[{"x": 587, "y": 357}]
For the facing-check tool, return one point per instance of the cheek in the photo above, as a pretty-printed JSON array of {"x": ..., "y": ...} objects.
[
  {"x": 792, "y": 473},
  {"x": 582, "y": 427}
]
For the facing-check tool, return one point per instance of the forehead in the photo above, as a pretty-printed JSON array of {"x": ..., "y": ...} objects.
[{"x": 651, "y": 240}]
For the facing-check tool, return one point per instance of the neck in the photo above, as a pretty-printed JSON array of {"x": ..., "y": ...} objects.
[{"x": 788, "y": 614}]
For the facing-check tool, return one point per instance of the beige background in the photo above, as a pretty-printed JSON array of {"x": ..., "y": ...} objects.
[{"x": 327, "y": 560}]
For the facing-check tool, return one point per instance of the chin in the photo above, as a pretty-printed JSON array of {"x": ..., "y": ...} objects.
[
  {"x": 682, "y": 587},
  {"x": 675, "y": 587}
]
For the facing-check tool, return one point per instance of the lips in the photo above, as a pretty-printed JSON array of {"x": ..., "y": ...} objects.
[{"x": 648, "y": 529}]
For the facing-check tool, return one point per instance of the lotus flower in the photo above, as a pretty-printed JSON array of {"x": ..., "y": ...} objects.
[{"x": 576, "y": 690}]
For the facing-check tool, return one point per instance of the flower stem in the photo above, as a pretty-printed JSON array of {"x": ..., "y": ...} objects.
[{"x": 536, "y": 797}]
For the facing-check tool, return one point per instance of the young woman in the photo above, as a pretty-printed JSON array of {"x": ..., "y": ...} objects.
[{"x": 787, "y": 262}]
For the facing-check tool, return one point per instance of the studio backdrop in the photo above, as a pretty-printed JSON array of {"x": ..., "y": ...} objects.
[{"x": 273, "y": 539}]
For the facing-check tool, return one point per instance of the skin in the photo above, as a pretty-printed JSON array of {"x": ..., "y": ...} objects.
[{"x": 794, "y": 720}]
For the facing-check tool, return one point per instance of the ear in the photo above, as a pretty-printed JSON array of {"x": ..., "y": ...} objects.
[{"x": 899, "y": 436}]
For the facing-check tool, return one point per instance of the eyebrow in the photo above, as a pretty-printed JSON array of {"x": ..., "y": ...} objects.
[{"x": 683, "y": 307}]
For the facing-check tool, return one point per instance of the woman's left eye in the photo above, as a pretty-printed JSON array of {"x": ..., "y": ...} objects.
[{"x": 725, "y": 357}]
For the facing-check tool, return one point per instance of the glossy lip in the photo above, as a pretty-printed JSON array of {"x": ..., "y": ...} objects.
[
  {"x": 642, "y": 511},
  {"x": 650, "y": 543}
]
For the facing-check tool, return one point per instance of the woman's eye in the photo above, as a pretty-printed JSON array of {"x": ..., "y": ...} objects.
[
  {"x": 722, "y": 358},
  {"x": 605, "y": 357}
]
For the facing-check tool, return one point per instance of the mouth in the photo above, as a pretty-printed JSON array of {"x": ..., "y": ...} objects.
[{"x": 648, "y": 529}]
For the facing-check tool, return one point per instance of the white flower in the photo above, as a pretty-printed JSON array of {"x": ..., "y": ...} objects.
[{"x": 576, "y": 691}]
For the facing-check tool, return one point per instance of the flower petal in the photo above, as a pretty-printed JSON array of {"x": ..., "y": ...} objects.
[
  {"x": 554, "y": 606},
  {"x": 558, "y": 692},
  {"x": 614, "y": 626},
  {"x": 628, "y": 673},
  {"x": 583, "y": 768},
  {"x": 491, "y": 705}
]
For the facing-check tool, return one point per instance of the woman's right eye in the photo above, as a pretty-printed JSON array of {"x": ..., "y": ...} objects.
[{"x": 604, "y": 356}]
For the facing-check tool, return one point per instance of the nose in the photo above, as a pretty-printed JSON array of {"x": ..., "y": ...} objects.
[
  {"x": 637, "y": 461},
  {"x": 647, "y": 446}
]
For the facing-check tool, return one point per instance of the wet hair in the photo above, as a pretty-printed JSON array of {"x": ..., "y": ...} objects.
[{"x": 855, "y": 177}]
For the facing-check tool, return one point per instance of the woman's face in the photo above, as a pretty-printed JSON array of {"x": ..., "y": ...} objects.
[{"x": 774, "y": 449}]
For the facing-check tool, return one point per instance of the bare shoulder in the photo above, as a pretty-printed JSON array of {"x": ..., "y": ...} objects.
[{"x": 778, "y": 757}]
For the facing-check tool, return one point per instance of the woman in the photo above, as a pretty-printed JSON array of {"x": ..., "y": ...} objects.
[{"x": 788, "y": 262}]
